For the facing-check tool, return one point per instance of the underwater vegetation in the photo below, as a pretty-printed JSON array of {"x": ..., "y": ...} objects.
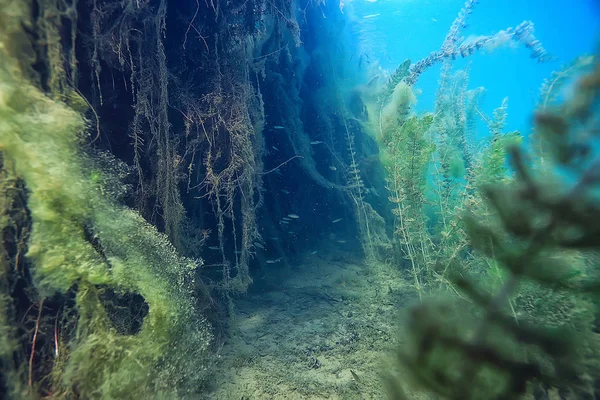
[
  {"x": 161, "y": 159},
  {"x": 508, "y": 243},
  {"x": 542, "y": 237},
  {"x": 88, "y": 259}
]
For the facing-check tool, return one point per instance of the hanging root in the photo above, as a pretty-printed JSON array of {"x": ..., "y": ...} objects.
[{"x": 35, "y": 335}]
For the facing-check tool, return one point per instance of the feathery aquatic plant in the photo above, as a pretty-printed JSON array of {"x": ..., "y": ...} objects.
[
  {"x": 478, "y": 349},
  {"x": 455, "y": 46},
  {"x": 406, "y": 153}
]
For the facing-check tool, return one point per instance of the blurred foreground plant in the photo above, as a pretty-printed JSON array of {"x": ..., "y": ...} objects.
[{"x": 546, "y": 223}]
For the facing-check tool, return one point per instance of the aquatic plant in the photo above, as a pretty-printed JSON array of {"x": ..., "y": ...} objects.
[
  {"x": 194, "y": 141},
  {"x": 492, "y": 165},
  {"x": 406, "y": 153},
  {"x": 113, "y": 308},
  {"x": 552, "y": 92},
  {"x": 455, "y": 46},
  {"x": 452, "y": 162},
  {"x": 479, "y": 349},
  {"x": 374, "y": 239},
  {"x": 377, "y": 98},
  {"x": 195, "y": 146},
  {"x": 432, "y": 169},
  {"x": 356, "y": 188}
]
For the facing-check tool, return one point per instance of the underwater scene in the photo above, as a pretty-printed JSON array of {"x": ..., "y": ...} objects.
[{"x": 300, "y": 199}]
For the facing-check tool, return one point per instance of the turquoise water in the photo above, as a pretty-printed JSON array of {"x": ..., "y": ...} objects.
[
  {"x": 411, "y": 29},
  {"x": 299, "y": 199}
]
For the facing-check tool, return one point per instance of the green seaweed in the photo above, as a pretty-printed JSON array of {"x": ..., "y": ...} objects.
[
  {"x": 83, "y": 242},
  {"x": 532, "y": 330}
]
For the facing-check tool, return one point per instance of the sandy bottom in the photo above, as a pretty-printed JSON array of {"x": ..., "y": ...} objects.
[{"x": 327, "y": 331}]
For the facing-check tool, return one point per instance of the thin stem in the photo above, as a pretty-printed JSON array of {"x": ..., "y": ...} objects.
[{"x": 35, "y": 335}]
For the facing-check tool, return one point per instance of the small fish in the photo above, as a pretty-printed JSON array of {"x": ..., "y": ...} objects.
[
  {"x": 434, "y": 20},
  {"x": 275, "y": 148},
  {"x": 278, "y": 127},
  {"x": 341, "y": 241},
  {"x": 293, "y": 216},
  {"x": 214, "y": 248},
  {"x": 284, "y": 222},
  {"x": 286, "y": 219},
  {"x": 331, "y": 167},
  {"x": 370, "y": 16},
  {"x": 356, "y": 378},
  {"x": 313, "y": 252},
  {"x": 274, "y": 261},
  {"x": 274, "y": 238},
  {"x": 314, "y": 142},
  {"x": 259, "y": 245},
  {"x": 285, "y": 191},
  {"x": 373, "y": 80},
  {"x": 335, "y": 221}
]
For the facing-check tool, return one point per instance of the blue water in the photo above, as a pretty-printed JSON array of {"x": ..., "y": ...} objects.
[
  {"x": 410, "y": 29},
  {"x": 299, "y": 211}
]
